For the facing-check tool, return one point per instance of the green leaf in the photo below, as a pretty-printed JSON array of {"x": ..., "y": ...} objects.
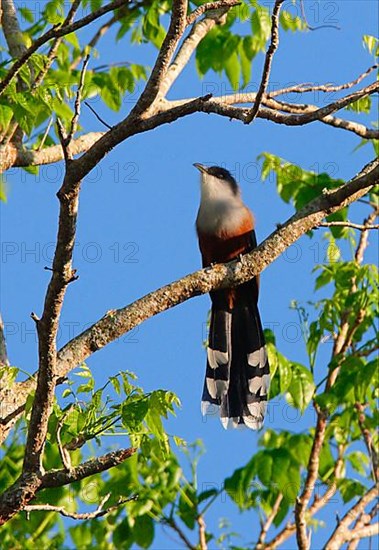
[
  {"x": 362, "y": 105},
  {"x": 359, "y": 460},
  {"x": 233, "y": 70},
  {"x": 6, "y": 114},
  {"x": 123, "y": 534},
  {"x": 27, "y": 14},
  {"x": 350, "y": 488},
  {"x": 302, "y": 387},
  {"x": 3, "y": 189},
  {"x": 187, "y": 510},
  {"x": 134, "y": 411},
  {"x": 371, "y": 43},
  {"x": 143, "y": 531}
]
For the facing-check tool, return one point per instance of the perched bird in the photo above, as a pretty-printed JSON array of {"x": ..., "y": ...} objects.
[{"x": 237, "y": 374}]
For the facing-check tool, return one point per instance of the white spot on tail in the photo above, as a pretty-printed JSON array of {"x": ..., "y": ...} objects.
[
  {"x": 260, "y": 382},
  {"x": 231, "y": 423},
  {"x": 253, "y": 423},
  {"x": 257, "y": 358},
  {"x": 217, "y": 388},
  {"x": 217, "y": 358}
]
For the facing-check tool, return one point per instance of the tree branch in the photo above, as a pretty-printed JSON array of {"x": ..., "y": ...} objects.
[
  {"x": 327, "y": 88},
  {"x": 202, "y": 533},
  {"x": 208, "y": 6},
  {"x": 11, "y": 28},
  {"x": 367, "y": 437},
  {"x": 361, "y": 227},
  {"x": 178, "y": 23},
  {"x": 190, "y": 43},
  {"x": 18, "y": 496},
  {"x": 268, "y": 61},
  {"x": 99, "y": 512},
  {"x": 364, "y": 519},
  {"x": 267, "y": 524},
  {"x": 341, "y": 534},
  {"x": 310, "y": 482},
  {"x": 47, "y": 326},
  {"x": 219, "y": 105}
]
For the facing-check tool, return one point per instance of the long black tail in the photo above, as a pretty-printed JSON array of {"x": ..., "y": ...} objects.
[{"x": 237, "y": 376}]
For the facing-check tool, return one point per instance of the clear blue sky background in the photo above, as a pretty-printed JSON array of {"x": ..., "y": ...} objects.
[{"x": 136, "y": 233}]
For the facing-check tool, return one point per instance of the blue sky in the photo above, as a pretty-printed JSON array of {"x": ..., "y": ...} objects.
[{"x": 136, "y": 233}]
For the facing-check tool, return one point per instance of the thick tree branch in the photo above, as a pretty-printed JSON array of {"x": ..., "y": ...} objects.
[
  {"x": 11, "y": 28},
  {"x": 190, "y": 43},
  {"x": 18, "y": 496},
  {"x": 47, "y": 326},
  {"x": 175, "y": 31},
  {"x": 268, "y": 61},
  {"x": 363, "y": 521},
  {"x": 49, "y": 155}
]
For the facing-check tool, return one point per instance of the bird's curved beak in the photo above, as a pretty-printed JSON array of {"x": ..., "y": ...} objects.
[{"x": 201, "y": 167}]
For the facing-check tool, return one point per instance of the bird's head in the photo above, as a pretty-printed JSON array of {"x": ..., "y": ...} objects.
[{"x": 217, "y": 181}]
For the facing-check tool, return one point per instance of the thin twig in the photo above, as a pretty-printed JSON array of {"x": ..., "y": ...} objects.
[
  {"x": 46, "y": 133},
  {"x": 268, "y": 61},
  {"x": 327, "y": 88},
  {"x": 97, "y": 116},
  {"x": 99, "y": 512},
  {"x": 267, "y": 524},
  {"x": 363, "y": 240},
  {"x": 361, "y": 227},
  {"x": 77, "y": 107}
]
